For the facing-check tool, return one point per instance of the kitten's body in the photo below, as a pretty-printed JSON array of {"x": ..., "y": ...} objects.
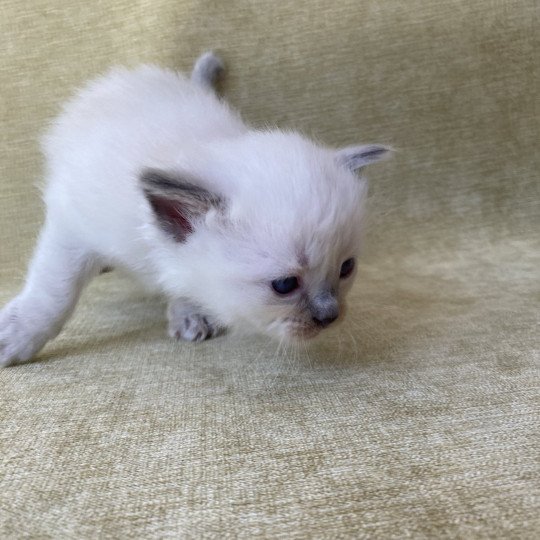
[{"x": 150, "y": 171}]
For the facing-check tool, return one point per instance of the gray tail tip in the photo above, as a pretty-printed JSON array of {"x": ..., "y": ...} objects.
[{"x": 207, "y": 67}]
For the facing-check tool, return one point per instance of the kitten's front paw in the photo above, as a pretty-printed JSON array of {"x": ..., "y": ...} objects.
[
  {"x": 193, "y": 327},
  {"x": 19, "y": 341},
  {"x": 187, "y": 323}
]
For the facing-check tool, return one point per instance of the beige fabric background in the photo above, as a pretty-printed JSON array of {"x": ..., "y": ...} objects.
[{"x": 419, "y": 416}]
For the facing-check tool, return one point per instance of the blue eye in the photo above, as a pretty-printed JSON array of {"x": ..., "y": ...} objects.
[
  {"x": 285, "y": 285},
  {"x": 346, "y": 268}
]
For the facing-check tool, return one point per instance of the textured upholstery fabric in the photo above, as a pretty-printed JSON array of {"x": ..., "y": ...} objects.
[{"x": 419, "y": 416}]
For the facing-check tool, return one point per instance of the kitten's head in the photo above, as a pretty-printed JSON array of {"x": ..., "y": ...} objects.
[{"x": 264, "y": 231}]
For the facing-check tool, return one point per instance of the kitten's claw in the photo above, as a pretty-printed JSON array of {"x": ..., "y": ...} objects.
[
  {"x": 192, "y": 327},
  {"x": 186, "y": 322}
]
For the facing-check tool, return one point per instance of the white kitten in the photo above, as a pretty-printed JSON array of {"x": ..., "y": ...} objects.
[{"x": 152, "y": 172}]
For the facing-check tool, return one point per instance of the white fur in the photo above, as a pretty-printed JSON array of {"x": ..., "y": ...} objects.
[{"x": 292, "y": 208}]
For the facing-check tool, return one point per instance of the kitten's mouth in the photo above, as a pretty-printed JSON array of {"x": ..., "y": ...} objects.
[
  {"x": 302, "y": 330},
  {"x": 305, "y": 332},
  {"x": 295, "y": 329}
]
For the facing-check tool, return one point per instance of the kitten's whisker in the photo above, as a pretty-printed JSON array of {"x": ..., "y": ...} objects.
[
  {"x": 355, "y": 343},
  {"x": 306, "y": 352}
]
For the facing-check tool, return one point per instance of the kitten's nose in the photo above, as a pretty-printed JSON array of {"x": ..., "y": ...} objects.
[
  {"x": 324, "y": 309},
  {"x": 324, "y": 322}
]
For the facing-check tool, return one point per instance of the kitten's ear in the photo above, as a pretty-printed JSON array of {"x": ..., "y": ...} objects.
[
  {"x": 355, "y": 158},
  {"x": 177, "y": 201}
]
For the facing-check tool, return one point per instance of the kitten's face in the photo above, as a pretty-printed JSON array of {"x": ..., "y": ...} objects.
[
  {"x": 310, "y": 304},
  {"x": 312, "y": 298},
  {"x": 290, "y": 289}
]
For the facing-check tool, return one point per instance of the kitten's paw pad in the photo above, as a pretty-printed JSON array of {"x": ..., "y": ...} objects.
[
  {"x": 18, "y": 342},
  {"x": 193, "y": 327}
]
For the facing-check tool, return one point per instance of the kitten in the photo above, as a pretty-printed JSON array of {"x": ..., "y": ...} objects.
[{"x": 238, "y": 228}]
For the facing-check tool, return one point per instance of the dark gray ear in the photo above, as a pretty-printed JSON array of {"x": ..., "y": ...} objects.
[
  {"x": 177, "y": 201},
  {"x": 357, "y": 157}
]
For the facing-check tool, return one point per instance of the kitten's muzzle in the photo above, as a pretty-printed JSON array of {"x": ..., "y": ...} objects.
[{"x": 324, "y": 309}]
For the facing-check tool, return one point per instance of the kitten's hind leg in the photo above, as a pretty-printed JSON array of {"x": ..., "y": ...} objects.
[
  {"x": 57, "y": 274},
  {"x": 208, "y": 67},
  {"x": 188, "y": 323}
]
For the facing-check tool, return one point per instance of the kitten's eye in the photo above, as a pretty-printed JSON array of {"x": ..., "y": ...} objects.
[
  {"x": 346, "y": 268},
  {"x": 285, "y": 285}
]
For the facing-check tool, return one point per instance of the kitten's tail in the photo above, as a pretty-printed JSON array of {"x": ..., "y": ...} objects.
[{"x": 208, "y": 67}]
